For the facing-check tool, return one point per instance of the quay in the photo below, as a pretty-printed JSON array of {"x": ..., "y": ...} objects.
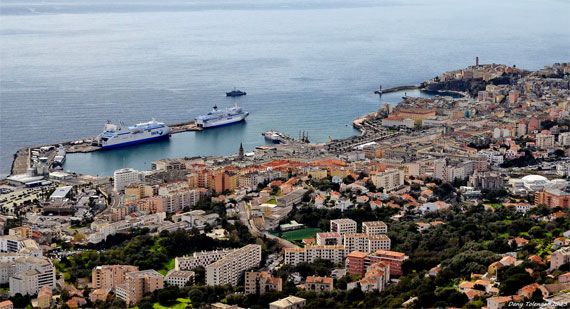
[{"x": 23, "y": 157}]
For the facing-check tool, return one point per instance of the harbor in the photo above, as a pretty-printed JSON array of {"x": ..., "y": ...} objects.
[{"x": 23, "y": 157}]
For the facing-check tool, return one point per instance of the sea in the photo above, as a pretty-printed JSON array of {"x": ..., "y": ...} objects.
[{"x": 68, "y": 66}]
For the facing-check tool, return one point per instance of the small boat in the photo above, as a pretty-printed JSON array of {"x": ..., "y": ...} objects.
[{"x": 235, "y": 93}]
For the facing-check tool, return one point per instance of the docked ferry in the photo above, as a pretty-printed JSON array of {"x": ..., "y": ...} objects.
[
  {"x": 120, "y": 135},
  {"x": 219, "y": 117}
]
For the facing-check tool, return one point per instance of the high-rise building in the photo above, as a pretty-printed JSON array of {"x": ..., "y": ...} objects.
[
  {"x": 374, "y": 227},
  {"x": 388, "y": 180},
  {"x": 343, "y": 226},
  {"x": 139, "y": 283},
  {"x": 231, "y": 267},
  {"x": 124, "y": 177},
  {"x": 544, "y": 140},
  {"x": 109, "y": 276}
]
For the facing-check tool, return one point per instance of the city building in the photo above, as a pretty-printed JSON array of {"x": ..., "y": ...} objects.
[
  {"x": 378, "y": 242},
  {"x": 107, "y": 277},
  {"x": 21, "y": 231},
  {"x": 31, "y": 274},
  {"x": 329, "y": 239},
  {"x": 260, "y": 282},
  {"x": 179, "y": 278},
  {"x": 343, "y": 226},
  {"x": 197, "y": 259},
  {"x": 552, "y": 198},
  {"x": 291, "y": 199},
  {"x": 486, "y": 181},
  {"x": 319, "y": 284},
  {"x": 308, "y": 254},
  {"x": 416, "y": 114},
  {"x": 376, "y": 278},
  {"x": 559, "y": 258},
  {"x": 231, "y": 267},
  {"x": 544, "y": 140},
  {"x": 388, "y": 180},
  {"x": 124, "y": 177},
  {"x": 45, "y": 297},
  {"x": 374, "y": 227},
  {"x": 392, "y": 258},
  {"x": 139, "y": 283},
  {"x": 290, "y": 302}
]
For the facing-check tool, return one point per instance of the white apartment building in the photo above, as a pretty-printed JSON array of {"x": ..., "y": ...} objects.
[
  {"x": 177, "y": 196},
  {"x": 374, "y": 227},
  {"x": 124, "y": 177},
  {"x": 379, "y": 242},
  {"x": 355, "y": 242},
  {"x": 343, "y": 226},
  {"x": 31, "y": 274},
  {"x": 544, "y": 140},
  {"x": 198, "y": 259},
  {"x": 564, "y": 139},
  {"x": 308, "y": 254},
  {"x": 179, "y": 278},
  {"x": 230, "y": 268},
  {"x": 389, "y": 180}
]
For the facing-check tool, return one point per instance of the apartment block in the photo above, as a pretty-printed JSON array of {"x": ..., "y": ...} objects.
[
  {"x": 378, "y": 242},
  {"x": 355, "y": 242},
  {"x": 544, "y": 140},
  {"x": 139, "y": 283},
  {"x": 343, "y": 226},
  {"x": 308, "y": 254},
  {"x": 179, "y": 278},
  {"x": 374, "y": 227},
  {"x": 393, "y": 258},
  {"x": 553, "y": 198},
  {"x": 198, "y": 259},
  {"x": 177, "y": 196},
  {"x": 124, "y": 177},
  {"x": 389, "y": 180},
  {"x": 231, "y": 267},
  {"x": 260, "y": 282},
  {"x": 329, "y": 239},
  {"x": 109, "y": 276},
  {"x": 32, "y": 273}
]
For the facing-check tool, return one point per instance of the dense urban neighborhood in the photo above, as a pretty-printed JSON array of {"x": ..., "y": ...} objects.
[{"x": 459, "y": 200}]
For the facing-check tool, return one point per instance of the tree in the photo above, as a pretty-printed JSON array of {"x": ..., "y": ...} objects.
[{"x": 559, "y": 153}]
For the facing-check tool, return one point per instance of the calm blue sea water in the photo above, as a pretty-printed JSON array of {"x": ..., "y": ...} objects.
[{"x": 68, "y": 66}]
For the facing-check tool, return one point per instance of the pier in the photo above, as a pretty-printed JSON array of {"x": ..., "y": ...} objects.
[{"x": 394, "y": 89}]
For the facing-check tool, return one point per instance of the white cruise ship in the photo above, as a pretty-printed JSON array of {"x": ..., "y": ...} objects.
[
  {"x": 218, "y": 117},
  {"x": 120, "y": 135}
]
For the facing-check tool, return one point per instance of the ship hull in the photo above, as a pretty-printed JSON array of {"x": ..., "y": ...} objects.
[
  {"x": 222, "y": 122},
  {"x": 135, "y": 142}
]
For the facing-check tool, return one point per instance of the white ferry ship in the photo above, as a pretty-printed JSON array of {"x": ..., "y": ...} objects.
[
  {"x": 217, "y": 117},
  {"x": 120, "y": 135}
]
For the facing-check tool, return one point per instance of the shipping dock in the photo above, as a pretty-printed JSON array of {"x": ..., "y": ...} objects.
[{"x": 23, "y": 158}]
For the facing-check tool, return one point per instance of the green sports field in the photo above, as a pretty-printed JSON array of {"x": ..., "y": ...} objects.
[{"x": 301, "y": 234}]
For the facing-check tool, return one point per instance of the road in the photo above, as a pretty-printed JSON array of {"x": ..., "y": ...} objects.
[{"x": 244, "y": 218}]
